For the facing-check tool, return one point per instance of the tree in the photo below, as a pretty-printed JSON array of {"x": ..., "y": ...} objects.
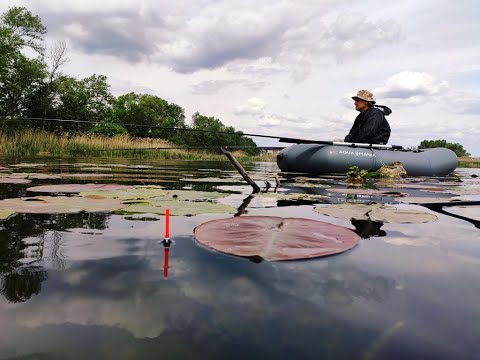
[
  {"x": 42, "y": 102},
  {"x": 20, "y": 76},
  {"x": 88, "y": 100},
  {"x": 209, "y": 131},
  {"x": 146, "y": 113},
  {"x": 455, "y": 147}
]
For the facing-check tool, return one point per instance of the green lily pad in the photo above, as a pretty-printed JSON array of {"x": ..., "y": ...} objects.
[
  {"x": 27, "y": 165},
  {"x": 126, "y": 193},
  {"x": 96, "y": 168},
  {"x": 367, "y": 192},
  {"x": 90, "y": 175},
  {"x": 58, "y": 205},
  {"x": 76, "y": 188},
  {"x": 375, "y": 212},
  {"x": 427, "y": 200},
  {"x": 213, "y": 180},
  {"x": 157, "y": 192},
  {"x": 177, "y": 208},
  {"x": 5, "y": 213},
  {"x": 290, "y": 196},
  {"x": 275, "y": 238}
]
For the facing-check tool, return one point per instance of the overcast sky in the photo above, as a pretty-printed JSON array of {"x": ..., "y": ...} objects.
[{"x": 285, "y": 68}]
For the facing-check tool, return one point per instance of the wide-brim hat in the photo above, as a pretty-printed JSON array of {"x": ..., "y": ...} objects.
[{"x": 365, "y": 95}]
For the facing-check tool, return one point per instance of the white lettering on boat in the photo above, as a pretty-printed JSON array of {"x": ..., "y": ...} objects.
[{"x": 356, "y": 153}]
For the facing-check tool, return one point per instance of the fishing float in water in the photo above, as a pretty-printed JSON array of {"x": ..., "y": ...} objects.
[{"x": 166, "y": 243}]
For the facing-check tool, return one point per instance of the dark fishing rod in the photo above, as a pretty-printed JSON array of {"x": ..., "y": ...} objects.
[
  {"x": 198, "y": 148},
  {"x": 239, "y": 133}
]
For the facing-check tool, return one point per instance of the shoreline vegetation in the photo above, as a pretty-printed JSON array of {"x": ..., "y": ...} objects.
[{"x": 31, "y": 143}]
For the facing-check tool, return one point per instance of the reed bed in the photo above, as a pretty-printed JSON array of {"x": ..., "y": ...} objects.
[
  {"x": 469, "y": 162},
  {"x": 37, "y": 143}
]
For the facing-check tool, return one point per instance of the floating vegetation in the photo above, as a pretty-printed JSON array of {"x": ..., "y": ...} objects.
[
  {"x": 375, "y": 212},
  {"x": 361, "y": 191},
  {"x": 290, "y": 196},
  {"x": 177, "y": 207},
  {"x": 77, "y": 188},
  {"x": 57, "y": 205},
  {"x": 275, "y": 238},
  {"x": 14, "y": 180}
]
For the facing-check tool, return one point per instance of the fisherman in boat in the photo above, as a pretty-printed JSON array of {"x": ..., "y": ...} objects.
[{"x": 370, "y": 126}]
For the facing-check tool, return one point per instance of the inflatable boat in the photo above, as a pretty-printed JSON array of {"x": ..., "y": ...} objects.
[{"x": 322, "y": 159}]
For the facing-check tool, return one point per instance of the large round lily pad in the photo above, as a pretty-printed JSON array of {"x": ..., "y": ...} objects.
[
  {"x": 375, "y": 212},
  {"x": 275, "y": 238}
]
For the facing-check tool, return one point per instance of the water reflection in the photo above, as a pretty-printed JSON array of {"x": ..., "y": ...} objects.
[
  {"x": 22, "y": 283},
  {"x": 367, "y": 228},
  {"x": 93, "y": 286},
  {"x": 22, "y": 249}
]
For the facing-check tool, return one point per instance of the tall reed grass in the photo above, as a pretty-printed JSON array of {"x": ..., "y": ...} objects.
[
  {"x": 469, "y": 162},
  {"x": 37, "y": 143}
]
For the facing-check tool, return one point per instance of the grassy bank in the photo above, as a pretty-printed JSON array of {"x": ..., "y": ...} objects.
[
  {"x": 36, "y": 143},
  {"x": 469, "y": 162}
]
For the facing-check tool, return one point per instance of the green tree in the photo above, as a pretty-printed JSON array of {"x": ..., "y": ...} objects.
[
  {"x": 455, "y": 147},
  {"x": 209, "y": 131},
  {"x": 20, "y": 76},
  {"x": 88, "y": 100},
  {"x": 148, "y": 115}
]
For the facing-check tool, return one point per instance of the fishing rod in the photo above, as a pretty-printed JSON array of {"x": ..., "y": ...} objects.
[
  {"x": 198, "y": 148},
  {"x": 240, "y": 133}
]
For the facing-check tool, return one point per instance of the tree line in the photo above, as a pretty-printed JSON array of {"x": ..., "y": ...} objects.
[{"x": 33, "y": 87}]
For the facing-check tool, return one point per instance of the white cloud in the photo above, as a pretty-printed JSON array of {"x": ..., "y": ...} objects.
[
  {"x": 412, "y": 88},
  {"x": 254, "y": 106}
]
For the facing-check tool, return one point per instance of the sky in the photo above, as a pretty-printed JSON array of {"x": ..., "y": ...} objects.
[{"x": 284, "y": 68}]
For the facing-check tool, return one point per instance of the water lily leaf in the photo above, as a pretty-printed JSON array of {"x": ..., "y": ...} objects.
[
  {"x": 428, "y": 200},
  {"x": 290, "y": 196},
  {"x": 90, "y": 175},
  {"x": 76, "y": 188},
  {"x": 58, "y": 205},
  {"x": 157, "y": 192},
  {"x": 5, "y": 213},
  {"x": 95, "y": 168},
  {"x": 213, "y": 180},
  {"x": 140, "y": 166},
  {"x": 275, "y": 238},
  {"x": 367, "y": 192},
  {"x": 177, "y": 208},
  {"x": 40, "y": 176},
  {"x": 464, "y": 191},
  {"x": 127, "y": 193},
  {"x": 191, "y": 195},
  {"x": 471, "y": 212},
  {"x": 27, "y": 165},
  {"x": 14, "y": 180},
  {"x": 375, "y": 212}
]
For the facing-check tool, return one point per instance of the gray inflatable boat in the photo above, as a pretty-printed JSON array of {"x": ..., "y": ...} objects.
[{"x": 322, "y": 159}]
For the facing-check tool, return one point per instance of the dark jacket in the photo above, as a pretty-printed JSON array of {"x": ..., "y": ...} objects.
[{"x": 370, "y": 127}]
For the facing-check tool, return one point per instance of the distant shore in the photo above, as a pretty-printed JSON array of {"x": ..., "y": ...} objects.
[
  {"x": 41, "y": 144},
  {"x": 469, "y": 162}
]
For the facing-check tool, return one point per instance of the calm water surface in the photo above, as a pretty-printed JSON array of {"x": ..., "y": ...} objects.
[{"x": 92, "y": 285}]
